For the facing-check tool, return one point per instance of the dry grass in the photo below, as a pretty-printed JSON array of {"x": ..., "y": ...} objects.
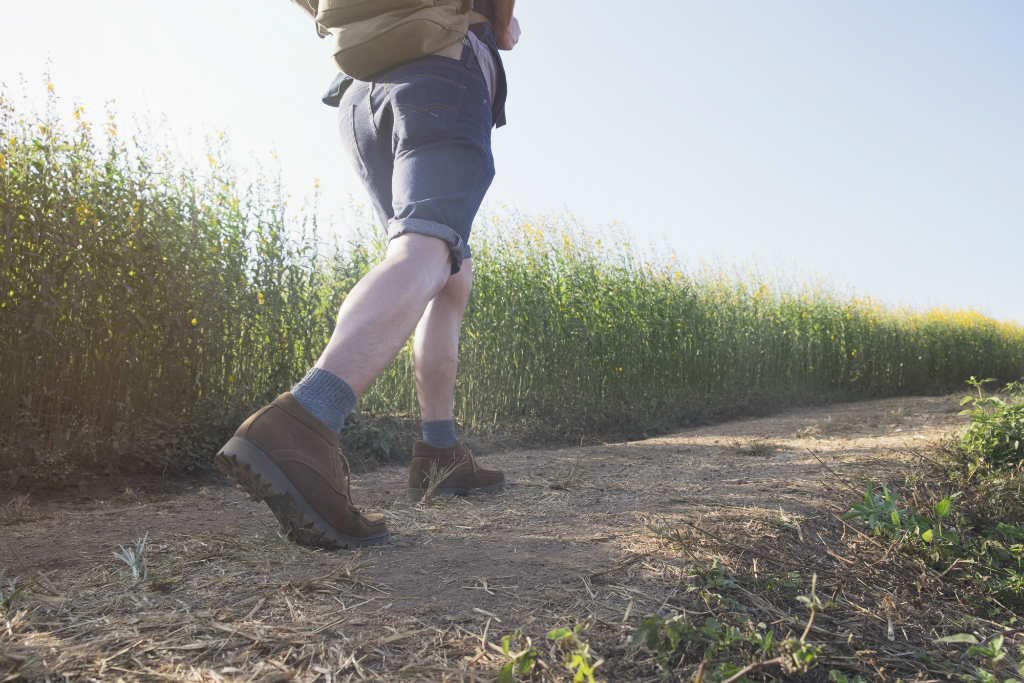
[
  {"x": 18, "y": 510},
  {"x": 757, "y": 448},
  {"x": 572, "y": 479},
  {"x": 644, "y": 536},
  {"x": 830, "y": 426},
  {"x": 897, "y": 416},
  {"x": 227, "y": 609},
  {"x": 434, "y": 479},
  {"x": 846, "y": 426}
]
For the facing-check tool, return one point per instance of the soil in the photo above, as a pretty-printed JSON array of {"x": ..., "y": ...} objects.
[{"x": 570, "y": 537}]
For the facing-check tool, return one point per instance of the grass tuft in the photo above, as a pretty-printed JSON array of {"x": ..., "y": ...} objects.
[
  {"x": 135, "y": 558},
  {"x": 17, "y": 511},
  {"x": 572, "y": 479},
  {"x": 757, "y": 448}
]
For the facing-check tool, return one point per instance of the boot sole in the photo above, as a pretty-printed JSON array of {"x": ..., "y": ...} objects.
[
  {"x": 248, "y": 467},
  {"x": 416, "y": 495}
]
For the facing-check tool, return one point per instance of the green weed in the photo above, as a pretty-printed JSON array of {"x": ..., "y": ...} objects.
[
  {"x": 135, "y": 558},
  {"x": 10, "y": 593},
  {"x": 835, "y": 676},
  {"x": 669, "y": 639},
  {"x": 376, "y": 439},
  {"x": 995, "y": 435},
  {"x": 989, "y": 650},
  {"x": 575, "y": 652},
  {"x": 521, "y": 664},
  {"x": 881, "y": 513}
]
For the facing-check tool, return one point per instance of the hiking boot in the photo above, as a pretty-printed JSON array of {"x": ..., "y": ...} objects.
[
  {"x": 459, "y": 474},
  {"x": 289, "y": 459}
]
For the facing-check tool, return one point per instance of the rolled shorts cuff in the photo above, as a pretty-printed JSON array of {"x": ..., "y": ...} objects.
[{"x": 418, "y": 226}]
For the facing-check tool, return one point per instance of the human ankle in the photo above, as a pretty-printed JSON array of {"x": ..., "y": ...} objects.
[
  {"x": 439, "y": 433},
  {"x": 328, "y": 397}
]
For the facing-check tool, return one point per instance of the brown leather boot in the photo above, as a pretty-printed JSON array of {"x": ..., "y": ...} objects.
[
  {"x": 286, "y": 457},
  {"x": 463, "y": 474}
]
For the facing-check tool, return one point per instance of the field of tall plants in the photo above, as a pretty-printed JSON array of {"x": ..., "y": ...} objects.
[{"x": 148, "y": 304}]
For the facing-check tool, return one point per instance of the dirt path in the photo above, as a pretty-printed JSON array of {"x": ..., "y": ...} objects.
[{"x": 227, "y": 599}]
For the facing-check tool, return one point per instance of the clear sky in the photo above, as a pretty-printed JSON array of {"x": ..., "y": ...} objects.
[{"x": 879, "y": 142}]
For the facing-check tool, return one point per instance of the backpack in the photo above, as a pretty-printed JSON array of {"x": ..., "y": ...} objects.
[{"x": 373, "y": 35}]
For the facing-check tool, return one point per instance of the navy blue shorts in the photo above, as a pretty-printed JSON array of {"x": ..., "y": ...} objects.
[{"x": 420, "y": 138}]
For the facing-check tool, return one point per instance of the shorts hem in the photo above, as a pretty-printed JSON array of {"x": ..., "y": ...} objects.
[{"x": 419, "y": 226}]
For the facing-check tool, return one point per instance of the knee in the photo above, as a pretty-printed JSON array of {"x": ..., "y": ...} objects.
[
  {"x": 458, "y": 286},
  {"x": 425, "y": 260}
]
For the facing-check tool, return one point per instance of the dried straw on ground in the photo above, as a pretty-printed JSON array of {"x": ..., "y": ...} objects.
[{"x": 607, "y": 533}]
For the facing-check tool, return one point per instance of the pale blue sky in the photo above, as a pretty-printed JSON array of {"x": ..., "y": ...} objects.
[{"x": 879, "y": 142}]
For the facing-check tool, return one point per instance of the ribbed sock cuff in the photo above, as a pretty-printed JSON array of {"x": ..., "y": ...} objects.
[
  {"x": 327, "y": 396},
  {"x": 439, "y": 433}
]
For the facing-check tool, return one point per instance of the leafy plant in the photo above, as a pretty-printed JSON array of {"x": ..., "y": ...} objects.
[
  {"x": 835, "y": 676},
  {"x": 375, "y": 438},
  {"x": 664, "y": 637},
  {"x": 135, "y": 558},
  {"x": 577, "y": 656},
  {"x": 521, "y": 664},
  {"x": 990, "y": 650},
  {"x": 881, "y": 513},
  {"x": 995, "y": 435},
  {"x": 667, "y": 638}
]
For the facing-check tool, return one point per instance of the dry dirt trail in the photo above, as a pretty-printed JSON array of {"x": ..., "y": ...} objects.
[{"x": 227, "y": 599}]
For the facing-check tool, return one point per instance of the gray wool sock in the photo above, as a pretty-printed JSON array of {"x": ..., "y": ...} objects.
[
  {"x": 439, "y": 433},
  {"x": 327, "y": 396}
]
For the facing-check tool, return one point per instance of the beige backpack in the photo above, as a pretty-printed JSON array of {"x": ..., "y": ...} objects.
[{"x": 373, "y": 35}]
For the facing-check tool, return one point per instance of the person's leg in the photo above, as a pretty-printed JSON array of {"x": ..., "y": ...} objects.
[
  {"x": 435, "y": 350},
  {"x": 382, "y": 310}
]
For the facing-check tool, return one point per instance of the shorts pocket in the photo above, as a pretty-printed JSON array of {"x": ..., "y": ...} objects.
[
  {"x": 426, "y": 108},
  {"x": 350, "y": 140}
]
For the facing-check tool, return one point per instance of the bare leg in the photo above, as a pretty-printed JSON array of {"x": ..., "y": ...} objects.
[
  {"x": 382, "y": 310},
  {"x": 435, "y": 349}
]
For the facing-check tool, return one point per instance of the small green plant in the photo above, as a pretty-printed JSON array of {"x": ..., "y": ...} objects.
[
  {"x": 129, "y": 497},
  {"x": 667, "y": 638},
  {"x": 135, "y": 558},
  {"x": 9, "y": 595},
  {"x": 814, "y": 603},
  {"x": 664, "y": 637},
  {"x": 572, "y": 478},
  {"x": 521, "y": 664},
  {"x": 715, "y": 577},
  {"x": 995, "y": 435},
  {"x": 990, "y": 650},
  {"x": 374, "y": 438},
  {"x": 577, "y": 655},
  {"x": 835, "y": 676},
  {"x": 880, "y": 512},
  {"x": 945, "y": 539},
  {"x": 793, "y": 580}
]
